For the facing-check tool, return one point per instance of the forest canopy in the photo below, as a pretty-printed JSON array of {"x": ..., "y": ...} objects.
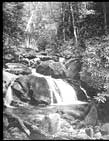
[{"x": 64, "y": 28}]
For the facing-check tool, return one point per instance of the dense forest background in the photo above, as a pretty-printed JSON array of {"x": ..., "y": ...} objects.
[
  {"x": 66, "y": 29},
  {"x": 69, "y": 41}
]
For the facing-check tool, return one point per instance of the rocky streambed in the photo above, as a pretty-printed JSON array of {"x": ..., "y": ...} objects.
[
  {"x": 53, "y": 121},
  {"x": 49, "y": 122}
]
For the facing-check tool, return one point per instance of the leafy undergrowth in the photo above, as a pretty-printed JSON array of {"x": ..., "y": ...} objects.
[{"x": 95, "y": 69}]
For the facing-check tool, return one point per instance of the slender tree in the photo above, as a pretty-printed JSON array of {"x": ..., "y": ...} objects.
[
  {"x": 74, "y": 25},
  {"x": 63, "y": 20},
  {"x": 105, "y": 17}
]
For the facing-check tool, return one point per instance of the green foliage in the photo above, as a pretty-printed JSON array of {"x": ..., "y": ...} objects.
[
  {"x": 101, "y": 97},
  {"x": 91, "y": 26},
  {"x": 12, "y": 13},
  {"x": 96, "y": 62},
  {"x": 68, "y": 48}
]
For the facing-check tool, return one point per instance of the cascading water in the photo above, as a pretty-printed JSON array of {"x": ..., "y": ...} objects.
[
  {"x": 63, "y": 92},
  {"x": 9, "y": 97},
  {"x": 68, "y": 94},
  {"x": 84, "y": 91}
]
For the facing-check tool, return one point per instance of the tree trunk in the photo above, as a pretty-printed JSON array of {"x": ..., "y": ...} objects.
[
  {"x": 74, "y": 26},
  {"x": 105, "y": 19},
  {"x": 63, "y": 13}
]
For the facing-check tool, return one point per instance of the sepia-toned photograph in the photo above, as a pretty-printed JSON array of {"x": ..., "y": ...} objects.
[{"x": 55, "y": 70}]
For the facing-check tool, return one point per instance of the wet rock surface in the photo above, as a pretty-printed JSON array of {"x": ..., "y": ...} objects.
[
  {"x": 32, "y": 89},
  {"x": 73, "y": 66},
  {"x": 105, "y": 129},
  {"x": 48, "y": 122},
  {"x": 51, "y": 122},
  {"x": 17, "y": 68},
  {"x": 54, "y": 69}
]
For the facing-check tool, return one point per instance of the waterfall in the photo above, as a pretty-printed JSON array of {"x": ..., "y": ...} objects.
[
  {"x": 9, "y": 96},
  {"x": 63, "y": 92},
  {"x": 67, "y": 92}
]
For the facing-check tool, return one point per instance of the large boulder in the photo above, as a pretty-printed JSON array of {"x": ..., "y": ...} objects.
[
  {"x": 21, "y": 88},
  {"x": 44, "y": 58},
  {"x": 51, "y": 68},
  {"x": 8, "y": 57},
  {"x": 105, "y": 128},
  {"x": 14, "y": 65},
  {"x": 29, "y": 53},
  {"x": 73, "y": 66},
  {"x": 51, "y": 123},
  {"x": 39, "y": 89},
  {"x": 17, "y": 68},
  {"x": 33, "y": 89}
]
